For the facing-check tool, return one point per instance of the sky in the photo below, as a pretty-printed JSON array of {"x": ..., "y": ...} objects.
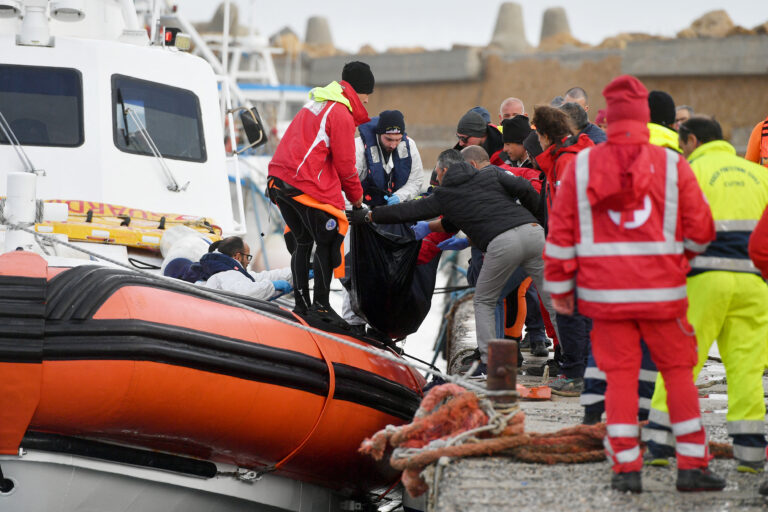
[{"x": 438, "y": 24}]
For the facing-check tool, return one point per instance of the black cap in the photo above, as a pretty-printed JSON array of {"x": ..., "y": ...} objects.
[
  {"x": 391, "y": 121},
  {"x": 515, "y": 129},
  {"x": 532, "y": 144},
  {"x": 472, "y": 124},
  {"x": 662, "y": 108},
  {"x": 359, "y": 76}
]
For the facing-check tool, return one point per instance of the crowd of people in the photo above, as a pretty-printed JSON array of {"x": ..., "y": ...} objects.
[{"x": 634, "y": 242}]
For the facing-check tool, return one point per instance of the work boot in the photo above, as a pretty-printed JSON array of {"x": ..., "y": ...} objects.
[
  {"x": 627, "y": 482},
  {"x": 697, "y": 480},
  {"x": 592, "y": 417},
  {"x": 538, "y": 349},
  {"x": 744, "y": 466}
]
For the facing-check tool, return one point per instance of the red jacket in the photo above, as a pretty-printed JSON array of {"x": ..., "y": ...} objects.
[
  {"x": 758, "y": 245},
  {"x": 317, "y": 152},
  {"x": 627, "y": 218},
  {"x": 556, "y": 158}
]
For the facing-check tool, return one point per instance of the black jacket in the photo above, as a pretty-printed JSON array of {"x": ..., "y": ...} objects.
[{"x": 481, "y": 203}]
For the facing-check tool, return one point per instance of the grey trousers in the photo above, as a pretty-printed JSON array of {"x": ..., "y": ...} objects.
[{"x": 518, "y": 247}]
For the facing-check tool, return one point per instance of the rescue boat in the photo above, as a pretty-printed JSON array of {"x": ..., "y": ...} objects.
[{"x": 126, "y": 391}]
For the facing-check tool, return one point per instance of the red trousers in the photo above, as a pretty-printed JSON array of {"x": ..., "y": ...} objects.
[{"x": 672, "y": 344}]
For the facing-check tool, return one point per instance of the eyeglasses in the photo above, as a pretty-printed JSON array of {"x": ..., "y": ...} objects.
[
  {"x": 248, "y": 257},
  {"x": 462, "y": 138}
]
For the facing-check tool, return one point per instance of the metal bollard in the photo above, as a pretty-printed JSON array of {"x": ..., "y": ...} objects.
[{"x": 502, "y": 370}]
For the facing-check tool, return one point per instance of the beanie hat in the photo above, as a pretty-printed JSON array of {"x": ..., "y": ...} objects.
[
  {"x": 532, "y": 144},
  {"x": 359, "y": 76},
  {"x": 472, "y": 124},
  {"x": 483, "y": 112},
  {"x": 391, "y": 121},
  {"x": 515, "y": 129},
  {"x": 662, "y": 108},
  {"x": 626, "y": 98},
  {"x": 600, "y": 119}
]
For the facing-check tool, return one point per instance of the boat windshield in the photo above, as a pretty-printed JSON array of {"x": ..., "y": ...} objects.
[
  {"x": 171, "y": 117},
  {"x": 43, "y": 105}
]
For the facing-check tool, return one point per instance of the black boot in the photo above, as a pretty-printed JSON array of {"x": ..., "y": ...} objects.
[
  {"x": 592, "y": 417},
  {"x": 696, "y": 480},
  {"x": 538, "y": 349},
  {"x": 627, "y": 482}
]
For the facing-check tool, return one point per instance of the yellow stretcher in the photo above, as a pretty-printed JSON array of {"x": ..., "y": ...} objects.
[{"x": 112, "y": 224}]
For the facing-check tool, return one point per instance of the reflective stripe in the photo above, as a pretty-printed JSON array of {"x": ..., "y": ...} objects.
[
  {"x": 661, "y": 437},
  {"x": 657, "y": 416},
  {"x": 632, "y": 295},
  {"x": 745, "y": 427},
  {"x": 559, "y": 286},
  {"x": 644, "y": 403},
  {"x": 648, "y": 376},
  {"x": 588, "y": 246},
  {"x": 593, "y": 372},
  {"x": 686, "y": 427},
  {"x": 693, "y": 246},
  {"x": 735, "y": 225},
  {"x": 691, "y": 450},
  {"x": 630, "y": 455},
  {"x": 590, "y": 398},
  {"x": 731, "y": 264},
  {"x": 559, "y": 252},
  {"x": 748, "y": 453},
  {"x": 622, "y": 430}
]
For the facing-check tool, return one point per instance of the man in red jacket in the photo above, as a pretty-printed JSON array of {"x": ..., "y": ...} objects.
[
  {"x": 313, "y": 164},
  {"x": 627, "y": 218}
]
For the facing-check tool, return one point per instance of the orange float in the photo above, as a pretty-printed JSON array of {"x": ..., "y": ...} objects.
[{"x": 101, "y": 357}]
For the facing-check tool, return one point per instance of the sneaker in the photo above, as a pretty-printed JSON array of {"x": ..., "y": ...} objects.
[
  {"x": 564, "y": 386},
  {"x": 627, "y": 482},
  {"x": 538, "y": 371},
  {"x": 697, "y": 480},
  {"x": 468, "y": 360},
  {"x": 649, "y": 459},
  {"x": 480, "y": 372},
  {"x": 538, "y": 349},
  {"x": 592, "y": 417},
  {"x": 743, "y": 466}
]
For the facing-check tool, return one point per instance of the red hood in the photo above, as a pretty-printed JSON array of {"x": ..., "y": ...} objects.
[
  {"x": 629, "y": 153},
  {"x": 359, "y": 113},
  {"x": 547, "y": 159}
]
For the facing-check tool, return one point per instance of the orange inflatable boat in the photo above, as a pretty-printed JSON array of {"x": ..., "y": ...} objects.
[{"x": 113, "y": 364}]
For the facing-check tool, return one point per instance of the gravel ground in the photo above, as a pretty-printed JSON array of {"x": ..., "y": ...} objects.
[{"x": 497, "y": 483}]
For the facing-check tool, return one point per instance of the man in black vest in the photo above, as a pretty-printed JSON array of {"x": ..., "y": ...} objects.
[{"x": 387, "y": 160}]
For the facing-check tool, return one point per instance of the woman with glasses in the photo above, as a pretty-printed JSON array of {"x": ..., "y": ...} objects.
[{"x": 225, "y": 265}]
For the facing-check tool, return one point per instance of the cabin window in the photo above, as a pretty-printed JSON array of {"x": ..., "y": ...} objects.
[
  {"x": 43, "y": 105},
  {"x": 170, "y": 115}
]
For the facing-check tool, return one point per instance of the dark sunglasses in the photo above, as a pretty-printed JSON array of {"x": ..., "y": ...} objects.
[{"x": 463, "y": 138}]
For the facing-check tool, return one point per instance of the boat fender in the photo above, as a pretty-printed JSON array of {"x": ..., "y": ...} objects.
[{"x": 6, "y": 484}]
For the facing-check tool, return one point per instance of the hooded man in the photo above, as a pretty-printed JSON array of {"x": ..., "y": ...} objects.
[
  {"x": 661, "y": 127},
  {"x": 387, "y": 160},
  {"x": 313, "y": 164},
  {"x": 627, "y": 219}
]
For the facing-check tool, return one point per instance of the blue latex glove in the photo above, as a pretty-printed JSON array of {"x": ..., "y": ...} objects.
[
  {"x": 282, "y": 286},
  {"x": 421, "y": 229},
  {"x": 311, "y": 273},
  {"x": 454, "y": 243},
  {"x": 393, "y": 199}
]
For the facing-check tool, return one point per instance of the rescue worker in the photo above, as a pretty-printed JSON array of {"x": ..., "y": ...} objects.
[
  {"x": 560, "y": 149},
  {"x": 387, "y": 160},
  {"x": 494, "y": 209},
  {"x": 313, "y": 163},
  {"x": 662, "y": 122},
  {"x": 627, "y": 217},
  {"x": 727, "y": 297},
  {"x": 225, "y": 266},
  {"x": 757, "y": 147}
]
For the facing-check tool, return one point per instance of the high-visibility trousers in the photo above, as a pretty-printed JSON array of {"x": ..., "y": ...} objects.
[
  {"x": 616, "y": 347},
  {"x": 732, "y": 308}
]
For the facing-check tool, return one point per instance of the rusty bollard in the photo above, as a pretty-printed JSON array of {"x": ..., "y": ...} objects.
[{"x": 502, "y": 370}]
